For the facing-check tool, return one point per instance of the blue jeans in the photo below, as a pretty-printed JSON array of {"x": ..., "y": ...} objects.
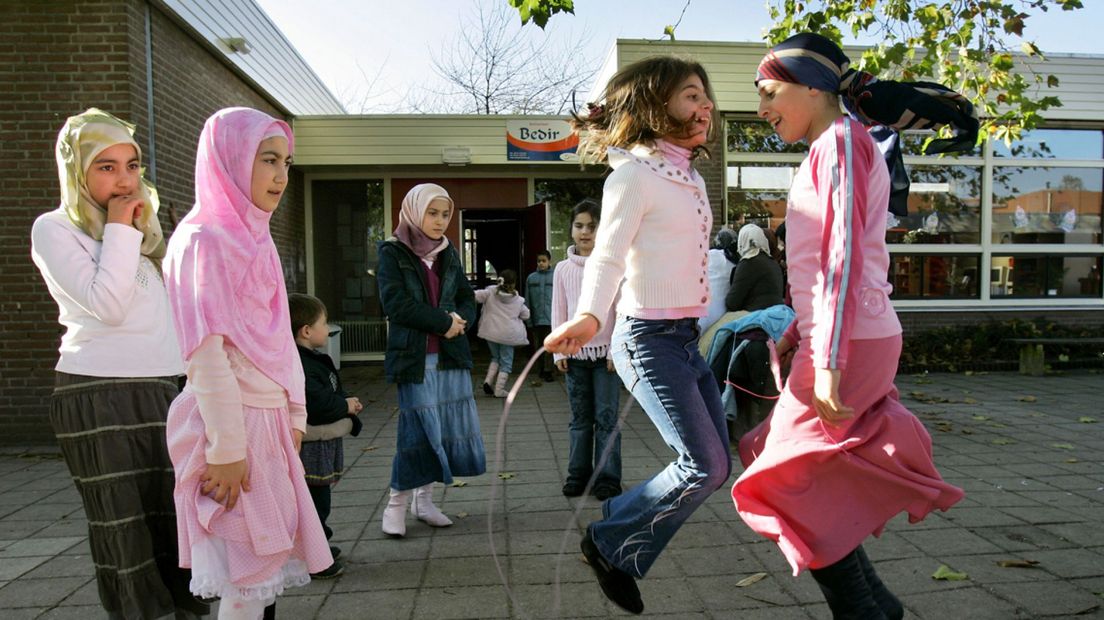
[
  {"x": 659, "y": 362},
  {"x": 503, "y": 354},
  {"x": 593, "y": 392}
]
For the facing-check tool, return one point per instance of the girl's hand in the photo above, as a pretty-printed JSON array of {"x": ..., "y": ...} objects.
[
  {"x": 783, "y": 346},
  {"x": 224, "y": 483},
  {"x": 297, "y": 438},
  {"x": 354, "y": 405},
  {"x": 457, "y": 328},
  {"x": 124, "y": 210},
  {"x": 826, "y": 398},
  {"x": 561, "y": 365},
  {"x": 568, "y": 338}
]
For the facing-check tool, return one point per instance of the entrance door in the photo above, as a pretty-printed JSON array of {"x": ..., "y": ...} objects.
[{"x": 493, "y": 241}]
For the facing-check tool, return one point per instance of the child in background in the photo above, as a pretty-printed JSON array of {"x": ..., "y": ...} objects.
[
  {"x": 655, "y": 115},
  {"x": 538, "y": 293},
  {"x": 119, "y": 367},
  {"x": 502, "y": 326},
  {"x": 331, "y": 412},
  {"x": 246, "y": 523},
  {"x": 593, "y": 387},
  {"x": 840, "y": 455},
  {"x": 428, "y": 303}
]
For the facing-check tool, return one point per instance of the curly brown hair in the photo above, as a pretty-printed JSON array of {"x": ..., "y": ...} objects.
[{"x": 633, "y": 107}]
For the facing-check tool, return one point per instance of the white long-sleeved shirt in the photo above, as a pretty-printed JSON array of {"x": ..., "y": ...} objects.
[
  {"x": 111, "y": 301},
  {"x": 654, "y": 233}
]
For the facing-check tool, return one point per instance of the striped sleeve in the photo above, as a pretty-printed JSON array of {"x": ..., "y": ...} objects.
[{"x": 841, "y": 166}]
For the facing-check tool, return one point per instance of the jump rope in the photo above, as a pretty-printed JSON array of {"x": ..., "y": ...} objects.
[{"x": 497, "y": 480}]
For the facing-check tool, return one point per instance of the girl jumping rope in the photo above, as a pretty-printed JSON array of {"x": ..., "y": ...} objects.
[
  {"x": 840, "y": 455},
  {"x": 593, "y": 388},
  {"x": 656, "y": 222},
  {"x": 119, "y": 366},
  {"x": 247, "y": 525}
]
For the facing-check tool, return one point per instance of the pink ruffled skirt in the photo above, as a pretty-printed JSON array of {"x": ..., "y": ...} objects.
[
  {"x": 272, "y": 539},
  {"x": 819, "y": 491}
]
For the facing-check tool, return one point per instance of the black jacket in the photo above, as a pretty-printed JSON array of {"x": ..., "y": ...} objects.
[
  {"x": 325, "y": 397},
  {"x": 404, "y": 294},
  {"x": 756, "y": 284}
]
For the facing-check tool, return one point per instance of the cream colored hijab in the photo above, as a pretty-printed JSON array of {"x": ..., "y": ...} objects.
[{"x": 83, "y": 137}]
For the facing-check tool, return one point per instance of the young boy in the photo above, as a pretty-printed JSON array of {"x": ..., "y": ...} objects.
[
  {"x": 538, "y": 295},
  {"x": 331, "y": 413}
]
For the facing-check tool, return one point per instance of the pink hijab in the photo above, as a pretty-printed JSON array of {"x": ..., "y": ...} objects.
[
  {"x": 222, "y": 270},
  {"x": 409, "y": 230}
]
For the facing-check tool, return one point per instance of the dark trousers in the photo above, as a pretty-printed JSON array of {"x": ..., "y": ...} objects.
[
  {"x": 320, "y": 495},
  {"x": 545, "y": 365}
]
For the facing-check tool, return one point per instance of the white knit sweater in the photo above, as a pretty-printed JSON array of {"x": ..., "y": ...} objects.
[{"x": 654, "y": 234}]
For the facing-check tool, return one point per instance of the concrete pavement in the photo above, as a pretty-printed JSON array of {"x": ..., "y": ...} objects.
[{"x": 1029, "y": 452}]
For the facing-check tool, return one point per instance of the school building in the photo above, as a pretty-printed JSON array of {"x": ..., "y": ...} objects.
[{"x": 1000, "y": 233}]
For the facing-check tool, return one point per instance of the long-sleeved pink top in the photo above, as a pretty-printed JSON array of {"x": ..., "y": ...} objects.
[
  {"x": 567, "y": 288},
  {"x": 835, "y": 245},
  {"x": 224, "y": 381}
]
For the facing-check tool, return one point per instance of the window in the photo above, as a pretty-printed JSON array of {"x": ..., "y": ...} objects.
[{"x": 1024, "y": 222}]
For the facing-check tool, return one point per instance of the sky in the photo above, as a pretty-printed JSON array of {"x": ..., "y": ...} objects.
[{"x": 376, "y": 52}]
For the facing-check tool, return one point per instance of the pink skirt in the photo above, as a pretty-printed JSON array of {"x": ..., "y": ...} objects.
[
  {"x": 819, "y": 491},
  {"x": 272, "y": 539}
]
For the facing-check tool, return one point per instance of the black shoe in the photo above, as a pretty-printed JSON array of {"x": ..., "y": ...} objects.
[
  {"x": 616, "y": 584},
  {"x": 335, "y": 552},
  {"x": 548, "y": 377},
  {"x": 573, "y": 488},
  {"x": 605, "y": 491},
  {"x": 334, "y": 570},
  {"x": 488, "y": 390}
]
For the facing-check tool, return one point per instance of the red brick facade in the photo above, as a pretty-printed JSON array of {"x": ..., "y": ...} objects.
[{"x": 56, "y": 60}]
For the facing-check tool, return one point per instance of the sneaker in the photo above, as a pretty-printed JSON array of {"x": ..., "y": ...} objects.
[
  {"x": 616, "y": 584},
  {"x": 605, "y": 491},
  {"x": 573, "y": 488},
  {"x": 488, "y": 390},
  {"x": 334, "y": 570},
  {"x": 335, "y": 552},
  {"x": 548, "y": 377}
]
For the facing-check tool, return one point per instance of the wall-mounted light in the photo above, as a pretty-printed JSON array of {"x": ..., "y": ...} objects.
[
  {"x": 456, "y": 155},
  {"x": 237, "y": 44}
]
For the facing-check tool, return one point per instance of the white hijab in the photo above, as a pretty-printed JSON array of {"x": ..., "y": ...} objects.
[{"x": 751, "y": 241}]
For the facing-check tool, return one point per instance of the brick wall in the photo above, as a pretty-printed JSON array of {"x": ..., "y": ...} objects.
[{"x": 57, "y": 59}]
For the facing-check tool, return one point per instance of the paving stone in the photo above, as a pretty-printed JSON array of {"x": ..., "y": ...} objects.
[
  {"x": 39, "y": 592},
  {"x": 463, "y": 602},
  {"x": 395, "y": 603},
  {"x": 974, "y": 603},
  {"x": 1049, "y": 599}
]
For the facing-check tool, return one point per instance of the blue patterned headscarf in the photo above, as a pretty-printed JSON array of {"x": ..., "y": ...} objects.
[{"x": 883, "y": 105}]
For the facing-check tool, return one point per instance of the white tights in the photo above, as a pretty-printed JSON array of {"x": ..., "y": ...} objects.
[{"x": 239, "y": 609}]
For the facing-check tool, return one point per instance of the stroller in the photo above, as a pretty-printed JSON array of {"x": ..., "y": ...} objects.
[{"x": 740, "y": 358}]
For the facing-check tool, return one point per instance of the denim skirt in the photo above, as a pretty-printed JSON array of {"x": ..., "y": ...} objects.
[{"x": 438, "y": 435}]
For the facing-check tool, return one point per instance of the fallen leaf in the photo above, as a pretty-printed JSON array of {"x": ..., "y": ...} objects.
[
  {"x": 1073, "y": 460},
  {"x": 369, "y": 448},
  {"x": 967, "y": 431},
  {"x": 945, "y": 573},
  {"x": 1017, "y": 563},
  {"x": 997, "y": 425},
  {"x": 462, "y": 515},
  {"x": 1001, "y": 441},
  {"x": 505, "y": 475},
  {"x": 969, "y": 373},
  {"x": 970, "y": 401},
  {"x": 980, "y": 417},
  {"x": 460, "y": 483},
  {"x": 1064, "y": 446},
  {"x": 747, "y": 581},
  {"x": 1027, "y": 399},
  {"x": 1086, "y": 420}
]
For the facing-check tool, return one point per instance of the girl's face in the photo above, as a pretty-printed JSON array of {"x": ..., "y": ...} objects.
[
  {"x": 690, "y": 103},
  {"x": 270, "y": 173},
  {"x": 114, "y": 172},
  {"x": 583, "y": 229},
  {"x": 436, "y": 218},
  {"x": 789, "y": 108}
]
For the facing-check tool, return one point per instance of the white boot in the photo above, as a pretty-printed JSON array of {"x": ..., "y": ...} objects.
[
  {"x": 394, "y": 516},
  {"x": 500, "y": 390},
  {"x": 492, "y": 370},
  {"x": 423, "y": 508}
]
